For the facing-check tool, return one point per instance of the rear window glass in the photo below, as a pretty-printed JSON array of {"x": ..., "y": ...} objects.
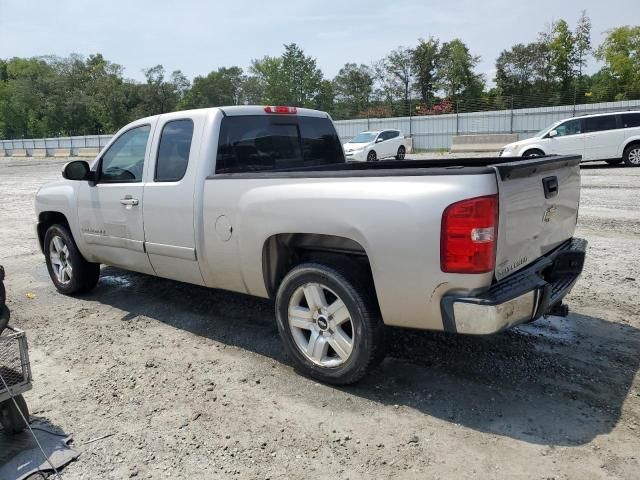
[
  {"x": 251, "y": 143},
  {"x": 630, "y": 120},
  {"x": 598, "y": 124}
]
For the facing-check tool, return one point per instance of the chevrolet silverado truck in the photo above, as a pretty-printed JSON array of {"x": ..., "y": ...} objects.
[{"x": 260, "y": 200}]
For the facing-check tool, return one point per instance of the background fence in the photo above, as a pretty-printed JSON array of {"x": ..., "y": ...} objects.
[
  {"x": 429, "y": 132},
  {"x": 432, "y": 132}
]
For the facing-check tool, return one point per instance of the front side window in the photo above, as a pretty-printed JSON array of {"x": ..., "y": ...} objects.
[
  {"x": 173, "y": 151},
  {"x": 123, "y": 162},
  {"x": 630, "y": 120},
  {"x": 598, "y": 124},
  {"x": 251, "y": 143},
  {"x": 570, "y": 127}
]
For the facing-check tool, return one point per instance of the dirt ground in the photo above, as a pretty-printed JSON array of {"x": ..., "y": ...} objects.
[{"x": 193, "y": 383}]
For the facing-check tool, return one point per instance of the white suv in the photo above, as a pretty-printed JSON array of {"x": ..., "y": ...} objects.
[
  {"x": 612, "y": 137},
  {"x": 374, "y": 145}
]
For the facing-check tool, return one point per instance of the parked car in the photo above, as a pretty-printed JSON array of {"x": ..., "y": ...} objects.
[
  {"x": 375, "y": 145},
  {"x": 612, "y": 137},
  {"x": 260, "y": 200}
]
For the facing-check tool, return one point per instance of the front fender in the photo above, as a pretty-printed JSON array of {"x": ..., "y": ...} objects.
[{"x": 60, "y": 197}]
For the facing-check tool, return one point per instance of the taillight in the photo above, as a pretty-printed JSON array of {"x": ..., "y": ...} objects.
[
  {"x": 285, "y": 110},
  {"x": 468, "y": 235}
]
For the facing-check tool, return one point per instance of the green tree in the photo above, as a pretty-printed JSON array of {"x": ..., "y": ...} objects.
[
  {"x": 425, "y": 59},
  {"x": 564, "y": 57},
  {"x": 159, "y": 95},
  {"x": 457, "y": 78},
  {"x": 398, "y": 68},
  {"x": 353, "y": 86},
  {"x": 620, "y": 51},
  {"x": 302, "y": 76},
  {"x": 523, "y": 71},
  {"x": 582, "y": 37},
  {"x": 220, "y": 87},
  {"x": 291, "y": 79}
]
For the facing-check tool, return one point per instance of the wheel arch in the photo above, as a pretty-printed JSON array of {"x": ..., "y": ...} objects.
[
  {"x": 533, "y": 149},
  {"x": 45, "y": 220},
  {"x": 284, "y": 251},
  {"x": 630, "y": 142}
]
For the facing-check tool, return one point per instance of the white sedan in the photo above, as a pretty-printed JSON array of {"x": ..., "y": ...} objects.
[{"x": 375, "y": 145}]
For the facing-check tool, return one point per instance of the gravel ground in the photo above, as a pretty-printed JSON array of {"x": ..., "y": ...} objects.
[{"x": 193, "y": 383}]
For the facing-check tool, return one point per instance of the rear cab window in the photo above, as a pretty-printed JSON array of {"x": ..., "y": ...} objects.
[{"x": 252, "y": 143}]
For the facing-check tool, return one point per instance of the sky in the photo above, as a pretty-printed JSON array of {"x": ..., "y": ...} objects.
[{"x": 197, "y": 36}]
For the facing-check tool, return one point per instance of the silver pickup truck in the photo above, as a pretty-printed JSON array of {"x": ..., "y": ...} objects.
[{"x": 260, "y": 200}]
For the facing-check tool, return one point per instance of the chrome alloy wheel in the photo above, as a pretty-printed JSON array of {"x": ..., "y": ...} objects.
[
  {"x": 60, "y": 261},
  {"x": 321, "y": 325},
  {"x": 634, "y": 156}
]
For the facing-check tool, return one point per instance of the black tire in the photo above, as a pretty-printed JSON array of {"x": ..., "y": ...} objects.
[
  {"x": 10, "y": 417},
  {"x": 534, "y": 152},
  {"x": 372, "y": 156},
  {"x": 84, "y": 275},
  {"x": 368, "y": 330},
  {"x": 401, "y": 153},
  {"x": 616, "y": 161},
  {"x": 631, "y": 155}
]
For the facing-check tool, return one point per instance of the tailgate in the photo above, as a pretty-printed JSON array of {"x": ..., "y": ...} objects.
[{"x": 539, "y": 201}]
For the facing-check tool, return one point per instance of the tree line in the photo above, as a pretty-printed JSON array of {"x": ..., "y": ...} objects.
[{"x": 52, "y": 96}]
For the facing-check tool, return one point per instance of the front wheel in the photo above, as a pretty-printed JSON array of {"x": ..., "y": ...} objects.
[
  {"x": 68, "y": 269},
  {"x": 371, "y": 156},
  {"x": 330, "y": 325},
  {"x": 632, "y": 156},
  {"x": 11, "y": 416},
  {"x": 401, "y": 153}
]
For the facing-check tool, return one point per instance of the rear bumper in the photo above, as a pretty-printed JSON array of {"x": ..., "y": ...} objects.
[{"x": 519, "y": 298}]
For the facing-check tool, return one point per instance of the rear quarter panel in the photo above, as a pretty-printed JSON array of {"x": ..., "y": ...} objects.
[{"x": 395, "y": 219}]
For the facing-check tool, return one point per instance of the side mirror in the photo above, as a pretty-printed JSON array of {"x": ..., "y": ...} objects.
[
  {"x": 379, "y": 139},
  {"x": 553, "y": 133},
  {"x": 77, "y": 170}
]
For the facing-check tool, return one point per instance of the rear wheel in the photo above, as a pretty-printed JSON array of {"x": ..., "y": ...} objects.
[
  {"x": 68, "y": 269},
  {"x": 401, "y": 153},
  {"x": 632, "y": 155},
  {"x": 533, "y": 153},
  {"x": 11, "y": 415},
  {"x": 330, "y": 325},
  {"x": 371, "y": 156}
]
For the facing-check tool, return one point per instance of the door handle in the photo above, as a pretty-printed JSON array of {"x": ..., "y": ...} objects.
[{"x": 129, "y": 201}]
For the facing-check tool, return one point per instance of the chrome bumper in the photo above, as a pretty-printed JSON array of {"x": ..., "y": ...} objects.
[{"x": 522, "y": 297}]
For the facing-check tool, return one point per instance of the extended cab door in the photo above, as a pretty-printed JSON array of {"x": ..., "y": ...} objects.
[
  {"x": 569, "y": 139},
  {"x": 110, "y": 211},
  {"x": 169, "y": 198}
]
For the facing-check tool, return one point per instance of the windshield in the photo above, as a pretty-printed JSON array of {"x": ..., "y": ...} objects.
[{"x": 364, "y": 137}]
